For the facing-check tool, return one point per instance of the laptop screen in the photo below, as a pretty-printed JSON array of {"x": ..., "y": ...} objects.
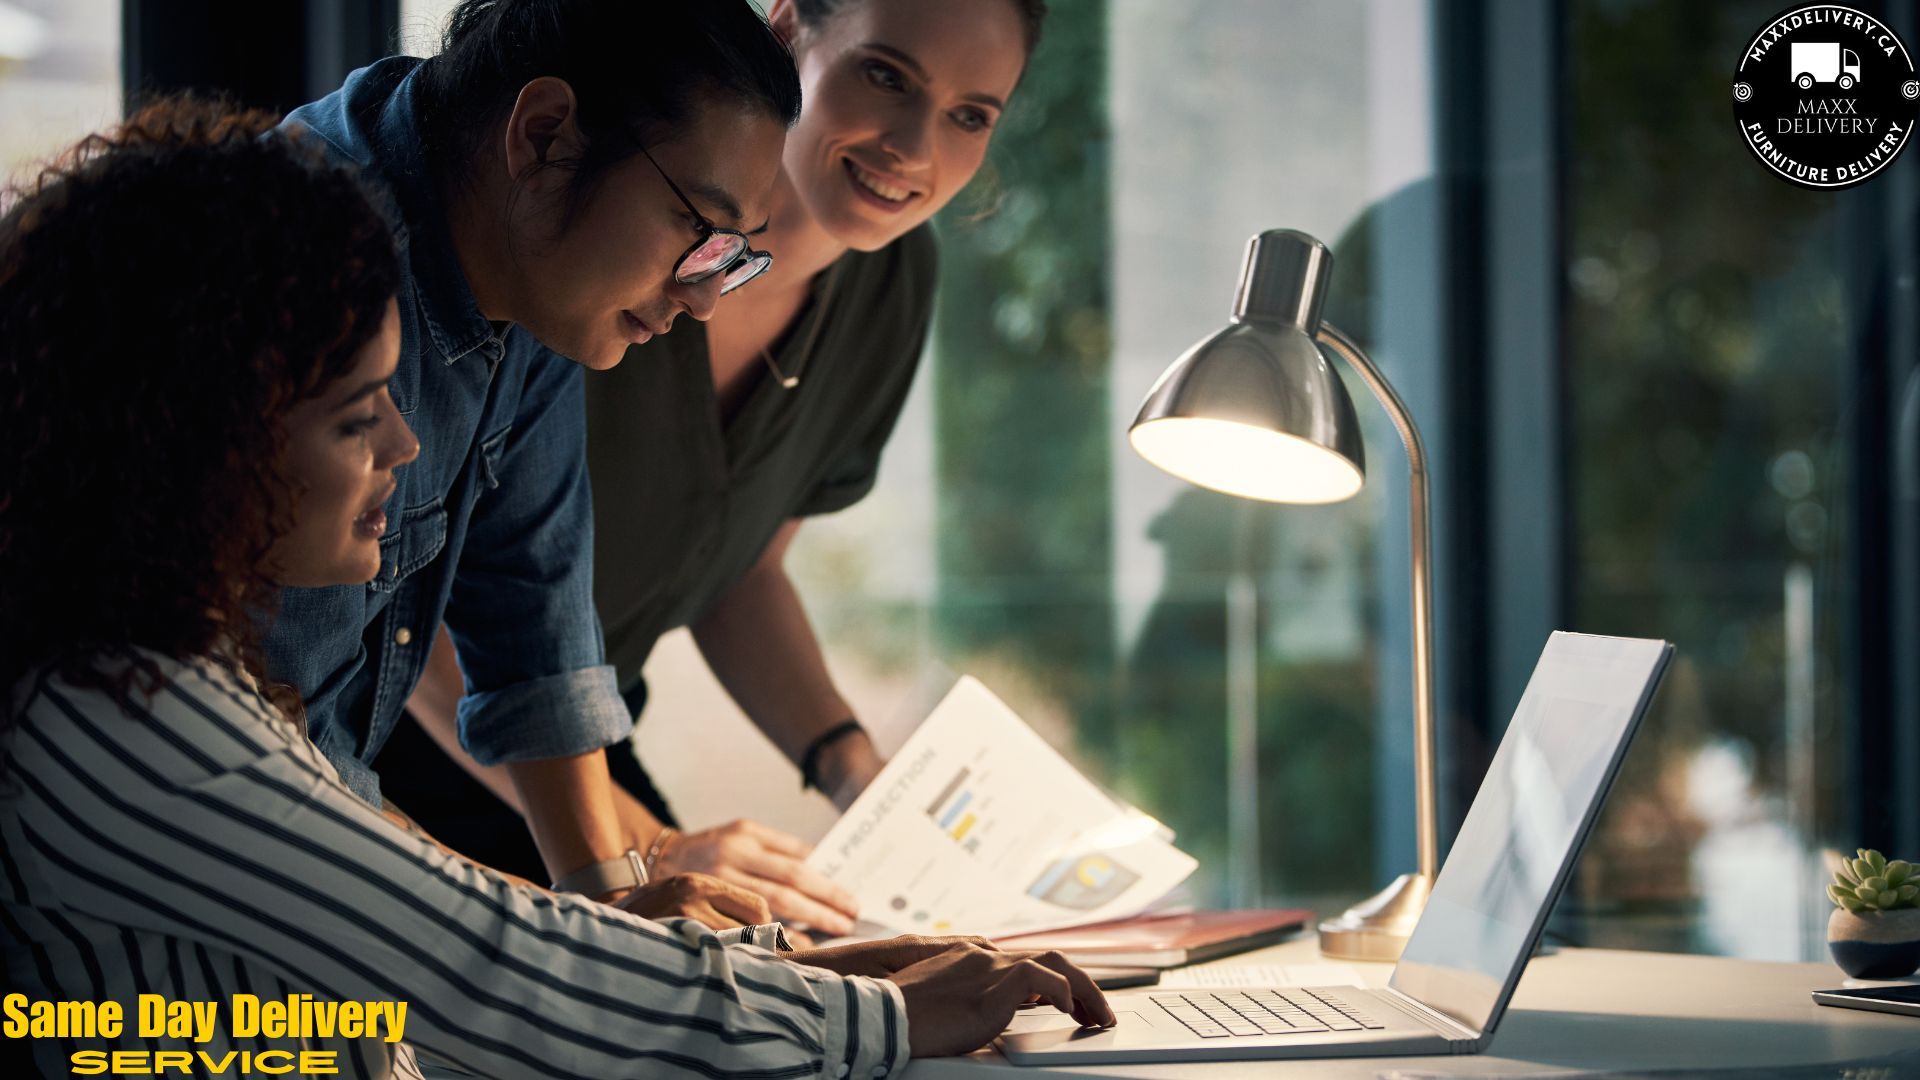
[{"x": 1516, "y": 847}]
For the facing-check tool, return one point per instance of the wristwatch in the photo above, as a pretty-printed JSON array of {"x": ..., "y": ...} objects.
[
  {"x": 624, "y": 871},
  {"x": 628, "y": 870}
]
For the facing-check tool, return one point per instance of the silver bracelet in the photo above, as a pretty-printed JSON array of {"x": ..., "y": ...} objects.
[{"x": 653, "y": 851}]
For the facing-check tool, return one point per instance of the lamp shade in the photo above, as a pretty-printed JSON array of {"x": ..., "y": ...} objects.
[{"x": 1255, "y": 410}]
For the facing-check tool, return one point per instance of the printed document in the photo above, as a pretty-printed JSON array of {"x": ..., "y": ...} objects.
[{"x": 977, "y": 826}]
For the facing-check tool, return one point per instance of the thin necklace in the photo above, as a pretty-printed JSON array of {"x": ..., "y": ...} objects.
[
  {"x": 787, "y": 382},
  {"x": 818, "y": 313}
]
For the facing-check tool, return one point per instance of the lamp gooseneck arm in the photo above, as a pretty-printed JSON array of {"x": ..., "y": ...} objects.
[{"x": 1425, "y": 755}]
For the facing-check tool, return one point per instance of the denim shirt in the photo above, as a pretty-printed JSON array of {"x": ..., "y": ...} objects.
[{"x": 490, "y": 528}]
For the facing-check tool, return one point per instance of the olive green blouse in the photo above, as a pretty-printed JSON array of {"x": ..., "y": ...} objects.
[{"x": 682, "y": 506}]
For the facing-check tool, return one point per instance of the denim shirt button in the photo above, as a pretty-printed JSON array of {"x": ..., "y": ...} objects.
[{"x": 402, "y": 636}]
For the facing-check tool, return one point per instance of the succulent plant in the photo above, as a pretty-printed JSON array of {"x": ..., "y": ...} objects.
[{"x": 1869, "y": 883}]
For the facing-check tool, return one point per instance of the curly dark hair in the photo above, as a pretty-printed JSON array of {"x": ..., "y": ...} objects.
[{"x": 168, "y": 289}]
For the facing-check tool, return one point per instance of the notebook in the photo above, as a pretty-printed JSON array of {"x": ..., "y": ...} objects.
[{"x": 1166, "y": 941}]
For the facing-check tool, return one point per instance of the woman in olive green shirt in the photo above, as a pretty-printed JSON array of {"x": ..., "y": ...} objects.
[{"x": 710, "y": 446}]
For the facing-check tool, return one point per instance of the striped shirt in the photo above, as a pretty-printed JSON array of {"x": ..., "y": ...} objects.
[{"x": 195, "y": 845}]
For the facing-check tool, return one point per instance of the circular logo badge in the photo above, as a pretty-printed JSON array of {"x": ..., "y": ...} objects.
[{"x": 1826, "y": 96}]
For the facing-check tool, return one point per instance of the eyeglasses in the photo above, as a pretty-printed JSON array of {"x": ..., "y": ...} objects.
[{"x": 727, "y": 252}]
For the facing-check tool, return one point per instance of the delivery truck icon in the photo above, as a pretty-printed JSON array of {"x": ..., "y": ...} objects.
[{"x": 1824, "y": 61}]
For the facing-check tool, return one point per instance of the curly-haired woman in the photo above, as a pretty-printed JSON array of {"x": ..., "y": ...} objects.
[{"x": 197, "y": 336}]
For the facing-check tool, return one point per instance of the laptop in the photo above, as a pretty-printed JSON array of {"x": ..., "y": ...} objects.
[{"x": 1509, "y": 864}]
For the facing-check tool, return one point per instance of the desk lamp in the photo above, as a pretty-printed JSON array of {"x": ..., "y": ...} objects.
[{"x": 1255, "y": 411}]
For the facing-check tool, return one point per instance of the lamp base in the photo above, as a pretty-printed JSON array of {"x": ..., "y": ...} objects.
[{"x": 1377, "y": 928}]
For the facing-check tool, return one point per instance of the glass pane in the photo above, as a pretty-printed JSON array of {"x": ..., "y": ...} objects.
[
  {"x": 421, "y": 23},
  {"x": 59, "y": 76},
  {"x": 1709, "y": 337}
]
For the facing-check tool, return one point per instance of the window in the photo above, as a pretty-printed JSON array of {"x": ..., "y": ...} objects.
[
  {"x": 421, "y": 23},
  {"x": 59, "y": 76},
  {"x": 1734, "y": 386}
]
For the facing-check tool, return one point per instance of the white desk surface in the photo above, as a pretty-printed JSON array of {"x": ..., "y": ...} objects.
[{"x": 1581, "y": 1009}]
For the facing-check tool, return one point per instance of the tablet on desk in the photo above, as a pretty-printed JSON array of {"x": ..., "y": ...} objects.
[{"x": 1903, "y": 1000}]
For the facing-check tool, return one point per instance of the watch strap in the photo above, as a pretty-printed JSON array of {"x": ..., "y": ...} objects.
[{"x": 624, "y": 871}]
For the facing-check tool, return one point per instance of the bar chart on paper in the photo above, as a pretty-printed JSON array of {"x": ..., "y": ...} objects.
[{"x": 956, "y": 814}]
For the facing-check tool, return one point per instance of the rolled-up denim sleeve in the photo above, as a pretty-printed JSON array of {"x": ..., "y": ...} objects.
[
  {"x": 521, "y": 606},
  {"x": 555, "y": 716}
]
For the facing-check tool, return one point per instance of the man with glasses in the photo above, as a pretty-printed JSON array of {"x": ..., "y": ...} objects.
[
  {"x": 705, "y": 456},
  {"x": 720, "y": 251},
  {"x": 517, "y": 278}
]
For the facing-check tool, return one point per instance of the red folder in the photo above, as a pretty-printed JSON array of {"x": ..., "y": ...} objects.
[{"x": 1166, "y": 941}]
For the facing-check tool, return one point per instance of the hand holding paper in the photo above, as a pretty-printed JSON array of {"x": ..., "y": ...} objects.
[{"x": 978, "y": 826}]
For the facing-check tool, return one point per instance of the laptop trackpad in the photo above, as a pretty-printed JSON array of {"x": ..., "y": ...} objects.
[
  {"x": 1044, "y": 1035},
  {"x": 1048, "y": 1019}
]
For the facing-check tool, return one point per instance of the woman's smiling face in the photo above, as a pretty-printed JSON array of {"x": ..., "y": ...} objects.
[{"x": 901, "y": 97}]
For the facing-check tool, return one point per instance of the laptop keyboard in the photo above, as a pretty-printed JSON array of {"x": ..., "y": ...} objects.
[{"x": 1263, "y": 1012}]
